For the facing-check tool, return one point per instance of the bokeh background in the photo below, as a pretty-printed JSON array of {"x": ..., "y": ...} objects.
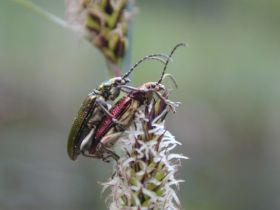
[{"x": 228, "y": 84}]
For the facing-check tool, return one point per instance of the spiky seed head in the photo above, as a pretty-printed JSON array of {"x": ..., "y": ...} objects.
[{"x": 104, "y": 23}]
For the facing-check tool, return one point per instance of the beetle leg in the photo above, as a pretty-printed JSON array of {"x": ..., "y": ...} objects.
[
  {"x": 92, "y": 123},
  {"x": 168, "y": 102},
  {"x": 100, "y": 103},
  {"x": 86, "y": 144},
  {"x": 125, "y": 91},
  {"x": 96, "y": 92},
  {"x": 110, "y": 155},
  {"x": 119, "y": 125},
  {"x": 100, "y": 155},
  {"x": 105, "y": 159},
  {"x": 102, "y": 148},
  {"x": 86, "y": 141},
  {"x": 92, "y": 156},
  {"x": 171, "y": 104},
  {"x": 161, "y": 115},
  {"x": 129, "y": 88},
  {"x": 110, "y": 138}
]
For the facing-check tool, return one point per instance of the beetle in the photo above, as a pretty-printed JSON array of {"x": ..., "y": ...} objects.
[
  {"x": 95, "y": 106},
  {"x": 124, "y": 111}
]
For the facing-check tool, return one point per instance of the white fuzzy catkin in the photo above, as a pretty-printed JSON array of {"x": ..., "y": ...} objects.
[{"x": 144, "y": 177}]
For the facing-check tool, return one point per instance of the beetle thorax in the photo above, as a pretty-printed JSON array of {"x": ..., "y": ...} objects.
[{"x": 152, "y": 86}]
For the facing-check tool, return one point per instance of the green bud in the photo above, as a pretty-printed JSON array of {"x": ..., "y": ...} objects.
[
  {"x": 160, "y": 191},
  {"x": 160, "y": 175}
]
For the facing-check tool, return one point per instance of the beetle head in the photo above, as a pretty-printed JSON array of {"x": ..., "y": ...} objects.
[
  {"x": 110, "y": 89},
  {"x": 153, "y": 86}
]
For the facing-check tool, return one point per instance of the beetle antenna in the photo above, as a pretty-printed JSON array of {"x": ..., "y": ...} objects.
[
  {"x": 159, "y": 57},
  {"x": 171, "y": 78},
  {"x": 167, "y": 62}
]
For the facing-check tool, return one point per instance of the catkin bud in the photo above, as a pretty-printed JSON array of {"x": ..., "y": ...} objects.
[{"x": 104, "y": 23}]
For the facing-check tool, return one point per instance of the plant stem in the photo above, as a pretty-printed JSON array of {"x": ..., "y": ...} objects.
[
  {"x": 113, "y": 69},
  {"x": 40, "y": 11}
]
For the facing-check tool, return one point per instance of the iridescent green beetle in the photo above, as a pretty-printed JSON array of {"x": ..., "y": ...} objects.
[
  {"x": 91, "y": 112},
  {"x": 95, "y": 107}
]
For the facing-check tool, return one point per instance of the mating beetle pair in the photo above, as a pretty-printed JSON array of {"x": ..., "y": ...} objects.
[
  {"x": 95, "y": 106},
  {"x": 95, "y": 119}
]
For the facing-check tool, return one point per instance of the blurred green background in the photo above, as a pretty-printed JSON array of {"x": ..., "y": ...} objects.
[{"x": 228, "y": 84}]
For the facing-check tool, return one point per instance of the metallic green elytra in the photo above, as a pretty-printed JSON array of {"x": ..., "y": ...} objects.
[{"x": 80, "y": 126}]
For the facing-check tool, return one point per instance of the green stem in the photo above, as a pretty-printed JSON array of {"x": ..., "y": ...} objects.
[
  {"x": 40, "y": 11},
  {"x": 110, "y": 68}
]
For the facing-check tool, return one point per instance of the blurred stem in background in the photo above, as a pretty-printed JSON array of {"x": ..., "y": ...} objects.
[
  {"x": 40, "y": 11},
  {"x": 105, "y": 24}
]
